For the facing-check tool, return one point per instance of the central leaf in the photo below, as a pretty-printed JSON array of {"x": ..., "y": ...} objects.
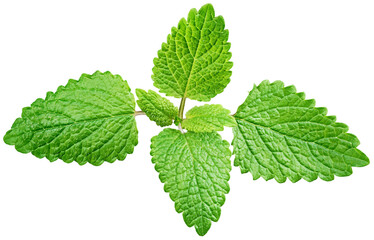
[
  {"x": 208, "y": 118},
  {"x": 157, "y": 108},
  {"x": 195, "y": 168},
  {"x": 194, "y": 63}
]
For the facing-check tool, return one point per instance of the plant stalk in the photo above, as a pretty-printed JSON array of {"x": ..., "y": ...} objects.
[
  {"x": 137, "y": 113},
  {"x": 181, "y": 108},
  {"x": 180, "y": 115}
]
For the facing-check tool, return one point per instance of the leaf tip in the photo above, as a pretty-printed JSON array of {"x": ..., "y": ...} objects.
[
  {"x": 207, "y": 7},
  {"x": 202, "y": 227},
  {"x": 139, "y": 91},
  {"x": 9, "y": 138}
]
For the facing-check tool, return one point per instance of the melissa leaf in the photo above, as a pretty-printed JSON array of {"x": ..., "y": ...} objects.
[
  {"x": 277, "y": 133},
  {"x": 281, "y": 135},
  {"x": 208, "y": 118},
  {"x": 194, "y": 62},
  {"x": 157, "y": 108},
  {"x": 89, "y": 120},
  {"x": 195, "y": 168}
]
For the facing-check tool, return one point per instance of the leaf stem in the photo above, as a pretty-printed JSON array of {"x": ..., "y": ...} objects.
[
  {"x": 181, "y": 108},
  {"x": 137, "y": 113},
  {"x": 180, "y": 115},
  {"x": 180, "y": 128}
]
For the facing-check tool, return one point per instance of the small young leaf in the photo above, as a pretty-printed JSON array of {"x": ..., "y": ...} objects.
[
  {"x": 195, "y": 168},
  {"x": 157, "y": 108},
  {"x": 208, "y": 118},
  {"x": 89, "y": 120},
  {"x": 281, "y": 135},
  {"x": 194, "y": 63}
]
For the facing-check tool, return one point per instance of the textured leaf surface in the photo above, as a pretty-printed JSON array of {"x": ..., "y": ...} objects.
[
  {"x": 208, "y": 118},
  {"x": 90, "y": 120},
  {"x": 195, "y": 169},
  {"x": 194, "y": 63},
  {"x": 157, "y": 108},
  {"x": 281, "y": 135}
]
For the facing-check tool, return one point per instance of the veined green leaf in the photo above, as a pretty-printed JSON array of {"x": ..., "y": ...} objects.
[
  {"x": 208, "y": 118},
  {"x": 281, "y": 135},
  {"x": 157, "y": 108},
  {"x": 195, "y": 168},
  {"x": 194, "y": 63},
  {"x": 89, "y": 120}
]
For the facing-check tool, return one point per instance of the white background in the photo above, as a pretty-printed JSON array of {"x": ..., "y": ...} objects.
[{"x": 325, "y": 48}]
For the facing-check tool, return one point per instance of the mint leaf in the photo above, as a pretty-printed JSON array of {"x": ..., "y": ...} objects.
[
  {"x": 281, "y": 135},
  {"x": 194, "y": 63},
  {"x": 89, "y": 120},
  {"x": 208, "y": 118},
  {"x": 195, "y": 168},
  {"x": 157, "y": 108}
]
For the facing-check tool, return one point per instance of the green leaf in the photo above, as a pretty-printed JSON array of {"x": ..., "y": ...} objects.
[
  {"x": 195, "y": 168},
  {"x": 89, "y": 120},
  {"x": 157, "y": 108},
  {"x": 281, "y": 135},
  {"x": 208, "y": 118},
  {"x": 194, "y": 63}
]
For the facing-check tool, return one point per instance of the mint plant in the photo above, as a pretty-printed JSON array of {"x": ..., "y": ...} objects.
[{"x": 277, "y": 132}]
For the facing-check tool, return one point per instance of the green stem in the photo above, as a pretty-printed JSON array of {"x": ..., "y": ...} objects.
[
  {"x": 137, "y": 113},
  {"x": 181, "y": 108},
  {"x": 180, "y": 115}
]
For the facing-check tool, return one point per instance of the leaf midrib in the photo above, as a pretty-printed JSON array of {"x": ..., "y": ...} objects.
[
  {"x": 195, "y": 176},
  {"x": 81, "y": 122},
  {"x": 158, "y": 107},
  {"x": 194, "y": 57},
  {"x": 297, "y": 139}
]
